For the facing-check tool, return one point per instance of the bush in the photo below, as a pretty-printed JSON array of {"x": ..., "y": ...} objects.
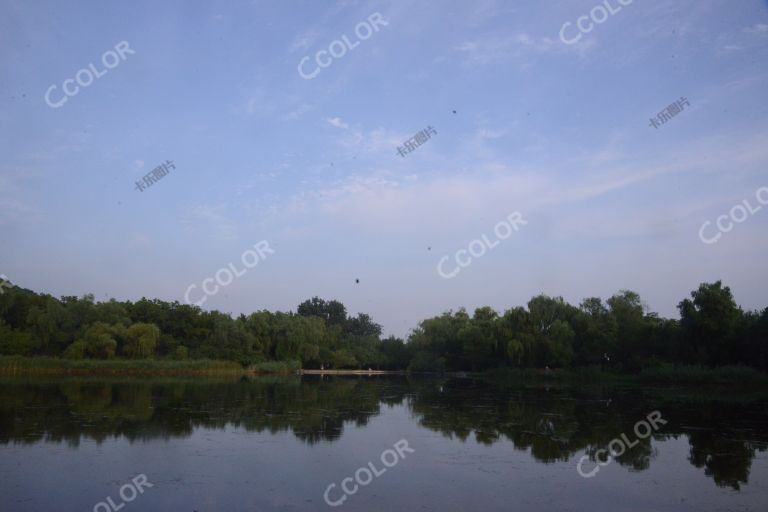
[
  {"x": 283, "y": 367},
  {"x": 76, "y": 350},
  {"x": 424, "y": 362},
  {"x": 181, "y": 353},
  {"x": 724, "y": 375},
  {"x": 15, "y": 342},
  {"x": 51, "y": 366}
]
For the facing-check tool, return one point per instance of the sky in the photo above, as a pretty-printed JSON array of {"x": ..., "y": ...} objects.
[{"x": 522, "y": 121}]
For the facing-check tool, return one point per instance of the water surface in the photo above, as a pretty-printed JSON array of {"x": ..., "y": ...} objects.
[{"x": 277, "y": 444}]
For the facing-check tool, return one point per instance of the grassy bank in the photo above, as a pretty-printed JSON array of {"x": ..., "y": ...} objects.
[
  {"x": 17, "y": 365},
  {"x": 275, "y": 367},
  {"x": 696, "y": 375},
  {"x": 14, "y": 365},
  {"x": 727, "y": 376}
]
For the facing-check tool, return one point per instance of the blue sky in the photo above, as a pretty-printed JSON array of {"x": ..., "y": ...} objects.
[{"x": 558, "y": 132}]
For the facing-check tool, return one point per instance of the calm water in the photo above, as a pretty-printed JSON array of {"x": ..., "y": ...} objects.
[{"x": 277, "y": 444}]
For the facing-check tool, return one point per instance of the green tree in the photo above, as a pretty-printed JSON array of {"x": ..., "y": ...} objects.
[
  {"x": 344, "y": 359},
  {"x": 76, "y": 350},
  {"x": 141, "y": 341},
  {"x": 627, "y": 311},
  {"x": 709, "y": 323},
  {"x": 16, "y": 342}
]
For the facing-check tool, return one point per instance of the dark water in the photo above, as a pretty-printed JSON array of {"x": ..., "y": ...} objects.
[{"x": 277, "y": 444}]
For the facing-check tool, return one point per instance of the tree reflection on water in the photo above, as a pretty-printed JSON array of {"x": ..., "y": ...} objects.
[{"x": 553, "y": 423}]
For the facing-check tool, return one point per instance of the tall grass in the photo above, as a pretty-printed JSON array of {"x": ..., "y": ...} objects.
[
  {"x": 280, "y": 367},
  {"x": 723, "y": 376},
  {"x": 16, "y": 365}
]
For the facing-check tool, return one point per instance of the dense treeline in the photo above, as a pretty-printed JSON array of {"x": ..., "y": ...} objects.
[
  {"x": 617, "y": 334},
  {"x": 319, "y": 332}
]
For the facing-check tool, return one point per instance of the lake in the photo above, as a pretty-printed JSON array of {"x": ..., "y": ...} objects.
[{"x": 377, "y": 444}]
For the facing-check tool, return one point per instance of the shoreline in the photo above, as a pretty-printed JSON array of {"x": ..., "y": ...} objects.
[
  {"x": 722, "y": 377},
  {"x": 352, "y": 372}
]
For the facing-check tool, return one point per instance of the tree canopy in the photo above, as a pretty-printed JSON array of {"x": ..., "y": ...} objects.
[{"x": 618, "y": 333}]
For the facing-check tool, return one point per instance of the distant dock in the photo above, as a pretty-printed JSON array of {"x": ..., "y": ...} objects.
[{"x": 350, "y": 372}]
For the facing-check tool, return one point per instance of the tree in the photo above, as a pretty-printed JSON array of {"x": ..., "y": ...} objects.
[
  {"x": 15, "y": 342},
  {"x": 627, "y": 311},
  {"x": 333, "y": 312},
  {"x": 559, "y": 342},
  {"x": 595, "y": 333},
  {"x": 514, "y": 328},
  {"x": 100, "y": 346},
  {"x": 396, "y": 353},
  {"x": 181, "y": 353},
  {"x": 141, "y": 340},
  {"x": 362, "y": 325},
  {"x": 76, "y": 350},
  {"x": 709, "y": 323},
  {"x": 45, "y": 323},
  {"x": 343, "y": 359}
]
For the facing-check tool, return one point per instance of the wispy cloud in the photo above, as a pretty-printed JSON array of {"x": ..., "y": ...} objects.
[
  {"x": 298, "y": 111},
  {"x": 760, "y": 28},
  {"x": 520, "y": 47},
  {"x": 211, "y": 218},
  {"x": 380, "y": 201},
  {"x": 303, "y": 41},
  {"x": 14, "y": 210},
  {"x": 259, "y": 103},
  {"x": 337, "y": 122}
]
